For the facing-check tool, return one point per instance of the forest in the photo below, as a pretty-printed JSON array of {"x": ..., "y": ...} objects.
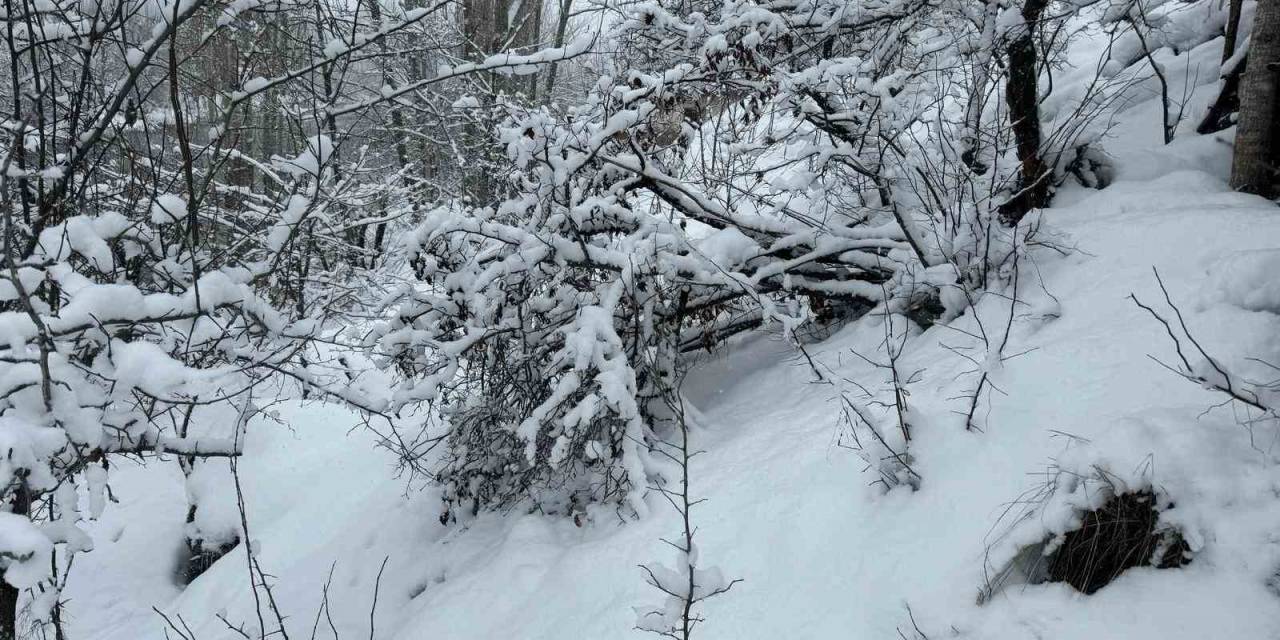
[{"x": 520, "y": 319}]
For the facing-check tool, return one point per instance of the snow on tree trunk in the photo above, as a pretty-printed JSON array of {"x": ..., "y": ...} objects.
[{"x": 977, "y": 101}]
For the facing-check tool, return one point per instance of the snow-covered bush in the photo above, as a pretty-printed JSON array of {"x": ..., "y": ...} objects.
[
  {"x": 1085, "y": 528},
  {"x": 735, "y": 166}
]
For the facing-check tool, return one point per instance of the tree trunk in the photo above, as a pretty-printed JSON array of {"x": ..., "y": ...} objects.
[
  {"x": 493, "y": 26},
  {"x": 8, "y": 593},
  {"x": 1023, "y": 97},
  {"x": 8, "y": 611},
  {"x": 972, "y": 153},
  {"x": 1218, "y": 117},
  {"x": 1232, "y": 32},
  {"x": 1256, "y": 165},
  {"x": 398, "y": 132},
  {"x": 562, "y": 25},
  {"x": 535, "y": 39}
]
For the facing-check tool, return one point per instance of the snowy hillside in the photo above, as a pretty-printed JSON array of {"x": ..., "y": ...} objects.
[
  {"x": 791, "y": 508},
  {"x": 759, "y": 319}
]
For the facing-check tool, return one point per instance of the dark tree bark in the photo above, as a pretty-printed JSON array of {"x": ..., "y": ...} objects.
[
  {"x": 8, "y": 593},
  {"x": 1228, "y": 101},
  {"x": 1232, "y": 32},
  {"x": 562, "y": 26},
  {"x": 1219, "y": 115},
  {"x": 8, "y": 611},
  {"x": 397, "y": 124},
  {"x": 493, "y": 26},
  {"x": 1256, "y": 165},
  {"x": 1023, "y": 98}
]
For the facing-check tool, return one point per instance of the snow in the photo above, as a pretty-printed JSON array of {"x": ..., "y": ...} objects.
[
  {"x": 309, "y": 163},
  {"x": 823, "y": 552},
  {"x": 334, "y": 48},
  {"x": 168, "y": 208},
  {"x": 255, "y": 84},
  {"x": 84, "y": 235},
  {"x": 146, "y": 366},
  {"x": 728, "y": 246},
  {"x": 1247, "y": 280},
  {"x": 134, "y": 57},
  {"x": 295, "y": 209},
  {"x": 24, "y": 551}
]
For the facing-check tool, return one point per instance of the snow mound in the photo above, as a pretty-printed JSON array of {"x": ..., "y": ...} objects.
[{"x": 1247, "y": 280}]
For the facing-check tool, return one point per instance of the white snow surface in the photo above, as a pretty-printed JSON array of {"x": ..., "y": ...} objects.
[{"x": 822, "y": 553}]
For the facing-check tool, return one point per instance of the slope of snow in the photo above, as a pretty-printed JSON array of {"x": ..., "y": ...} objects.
[{"x": 790, "y": 509}]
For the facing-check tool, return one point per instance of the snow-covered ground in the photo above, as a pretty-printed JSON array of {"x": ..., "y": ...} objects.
[{"x": 791, "y": 511}]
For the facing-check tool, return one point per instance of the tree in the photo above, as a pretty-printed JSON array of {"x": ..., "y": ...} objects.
[
  {"x": 1231, "y": 32},
  {"x": 490, "y": 27},
  {"x": 1022, "y": 94},
  {"x": 1256, "y": 163}
]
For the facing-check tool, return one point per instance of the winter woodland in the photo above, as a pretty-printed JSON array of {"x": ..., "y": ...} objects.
[{"x": 399, "y": 319}]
